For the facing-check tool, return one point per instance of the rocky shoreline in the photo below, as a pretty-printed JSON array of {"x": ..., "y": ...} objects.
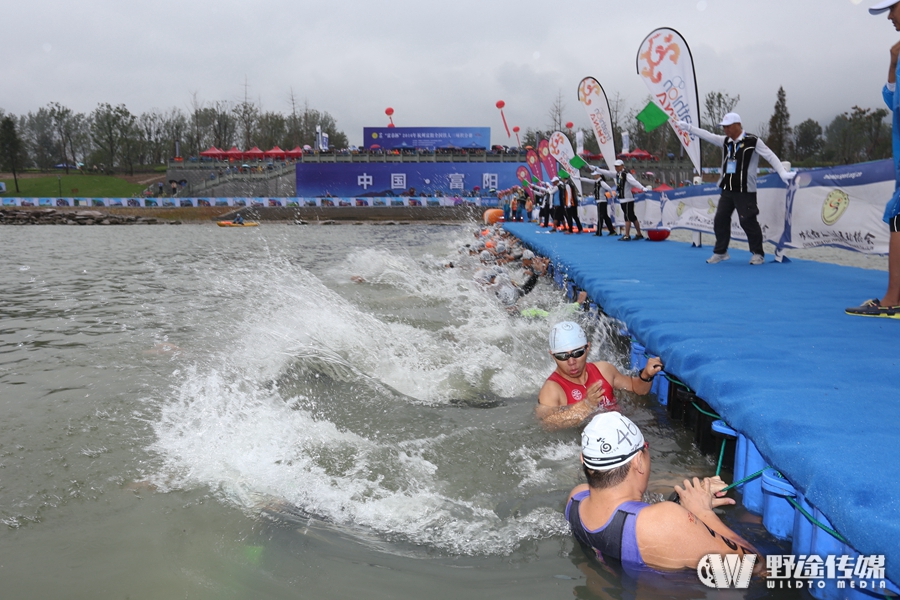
[
  {"x": 200, "y": 215},
  {"x": 51, "y": 216}
]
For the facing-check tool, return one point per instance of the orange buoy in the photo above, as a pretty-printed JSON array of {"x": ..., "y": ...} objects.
[{"x": 492, "y": 215}]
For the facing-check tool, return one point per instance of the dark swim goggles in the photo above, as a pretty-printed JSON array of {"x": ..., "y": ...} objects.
[{"x": 577, "y": 353}]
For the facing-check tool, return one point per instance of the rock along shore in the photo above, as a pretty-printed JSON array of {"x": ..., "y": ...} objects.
[
  {"x": 174, "y": 216},
  {"x": 51, "y": 216}
]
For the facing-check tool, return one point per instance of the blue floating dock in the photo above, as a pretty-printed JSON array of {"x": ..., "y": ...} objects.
[{"x": 770, "y": 349}]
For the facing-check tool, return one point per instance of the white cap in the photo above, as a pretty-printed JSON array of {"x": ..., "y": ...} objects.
[
  {"x": 883, "y": 6},
  {"x": 527, "y": 255},
  {"x": 487, "y": 256},
  {"x": 610, "y": 440},
  {"x": 554, "y": 179},
  {"x": 566, "y": 336},
  {"x": 501, "y": 247},
  {"x": 732, "y": 118},
  {"x": 508, "y": 295},
  {"x": 619, "y": 163}
]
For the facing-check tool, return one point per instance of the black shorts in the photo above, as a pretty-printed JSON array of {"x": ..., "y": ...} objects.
[
  {"x": 628, "y": 211},
  {"x": 894, "y": 223}
]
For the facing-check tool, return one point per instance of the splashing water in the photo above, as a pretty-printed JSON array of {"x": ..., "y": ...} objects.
[{"x": 347, "y": 401}]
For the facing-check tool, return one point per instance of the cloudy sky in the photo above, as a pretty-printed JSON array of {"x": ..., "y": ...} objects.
[{"x": 436, "y": 63}]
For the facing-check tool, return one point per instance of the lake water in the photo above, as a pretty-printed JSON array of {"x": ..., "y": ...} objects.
[{"x": 195, "y": 412}]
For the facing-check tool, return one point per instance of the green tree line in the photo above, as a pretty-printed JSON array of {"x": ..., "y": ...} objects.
[{"x": 114, "y": 139}]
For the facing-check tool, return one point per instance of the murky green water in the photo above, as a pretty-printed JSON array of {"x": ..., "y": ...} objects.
[{"x": 191, "y": 412}]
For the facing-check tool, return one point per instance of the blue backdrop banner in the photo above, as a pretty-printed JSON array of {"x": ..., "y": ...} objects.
[
  {"x": 428, "y": 138},
  {"x": 393, "y": 179}
]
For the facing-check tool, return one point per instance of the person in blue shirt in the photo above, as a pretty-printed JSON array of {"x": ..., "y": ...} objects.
[{"x": 889, "y": 304}]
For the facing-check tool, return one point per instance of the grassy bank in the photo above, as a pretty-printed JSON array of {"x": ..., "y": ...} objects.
[{"x": 69, "y": 186}]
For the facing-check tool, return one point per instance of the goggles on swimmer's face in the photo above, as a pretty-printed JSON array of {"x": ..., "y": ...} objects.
[{"x": 577, "y": 353}]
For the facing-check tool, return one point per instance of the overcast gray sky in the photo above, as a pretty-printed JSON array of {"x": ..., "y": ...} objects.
[{"x": 436, "y": 63}]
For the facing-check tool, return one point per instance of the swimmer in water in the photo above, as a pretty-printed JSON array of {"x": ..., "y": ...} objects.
[
  {"x": 577, "y": 388},
  {"x": 609, "y": 519}
]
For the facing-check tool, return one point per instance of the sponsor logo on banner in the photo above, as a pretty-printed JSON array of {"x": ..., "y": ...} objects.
[
  {"x": 546, "y": 160},
  {"x": 726, "y": 571},
  {"x": 836, "y": 202},
  {"x": 595, "y": 102},
  {"x": 665, "y": 64},
  {"x": 561, "y": 150}
]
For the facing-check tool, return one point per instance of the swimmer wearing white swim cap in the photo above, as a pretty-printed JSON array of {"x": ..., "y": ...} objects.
[{"x": 577, "y": 388}]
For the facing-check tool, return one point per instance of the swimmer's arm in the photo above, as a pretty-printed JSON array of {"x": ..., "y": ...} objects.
[
  {"x": 632, "y": 384},
  {"x": 672, "y": 537},
  {"x": 698, "y": 498},
  {"x": 554, "y": 413}
]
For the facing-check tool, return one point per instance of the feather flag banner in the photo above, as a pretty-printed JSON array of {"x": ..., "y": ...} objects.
[
  {"x": 595, "y": 102},
  {"x": 665, "y": 64}
]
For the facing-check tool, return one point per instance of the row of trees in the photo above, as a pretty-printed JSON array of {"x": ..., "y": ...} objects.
[
  {"x": 113, "y": 138},
  {"x": 862, "y": 134}
]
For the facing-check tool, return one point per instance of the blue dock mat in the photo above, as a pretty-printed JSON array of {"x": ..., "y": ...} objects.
[{"x": 770, "y": 349}]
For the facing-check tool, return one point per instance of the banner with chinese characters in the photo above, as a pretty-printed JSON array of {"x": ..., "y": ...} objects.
[
  {"x": 426, "y": 138},
  {"x": 407, "y": 179},
  {"x": 665, "y": 64},
  {"x": 840, "y": 206}
]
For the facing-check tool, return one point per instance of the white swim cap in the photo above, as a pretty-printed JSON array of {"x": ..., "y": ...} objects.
[
  {"x": 501, "y": 246},
  {"x": 527, "y": 255},
  {"x": 508, "y": 295},
  {"x": 610, "y": 440},
  {"x": 566, "y": 336},
  {"x": 487, "y": 256}
]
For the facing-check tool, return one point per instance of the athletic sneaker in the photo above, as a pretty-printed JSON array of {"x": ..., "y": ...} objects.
[
  {"x": 716, "y": 258},
  {"x": 757, "y": 259},
  {"x": 625, "y": 238},
  {"x": 873, "y": 308},
  {"x": 639, "y": 237}
]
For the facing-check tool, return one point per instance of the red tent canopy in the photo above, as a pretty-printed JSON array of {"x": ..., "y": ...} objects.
[
  {"x": 254, "y": 152},
  {"x": 275, "y": 152},
  {"x": 295, "y": 153},
  {"x": 234, "y": 154},
  {"x": 663, "y": 188},
  {"x": 638, "y": 154},
  {"x": 213, "y": 152}
]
